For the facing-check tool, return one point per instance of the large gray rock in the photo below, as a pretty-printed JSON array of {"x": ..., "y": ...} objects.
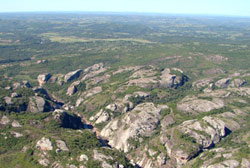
[
  {"x": 172, "y": 80},
  {"x": 194, "y": 105},
  {"x": 8, "y": 100},
  {"x": 141, "y": 121},
  {"x": 101, "y": 117},
  {"x": 214, "y": 128},
  {"x": 62, "y": 145},
  {"x": 237, "y": 83},
  {"x": 16, "y": 124},
  {"x": 44, "y": 144},
  {"x": 43, "y": 78},
  {"x": 4, "y": 120},
  {"x": 225, "y": 164},
  {"x": 72, "y": 89},
  {"x": 245, "y": 163},
  {"x": 93, "y": 71},
  {"x": 167, "y": 121},
  {"x": 222, "y": 83},
  {"x": 36, "y": 104},
  {"x": 93, "y": 91},
  {"x": 72, "y": 75}
]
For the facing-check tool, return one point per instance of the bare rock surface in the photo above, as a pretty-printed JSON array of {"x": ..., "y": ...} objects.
[
  {"x": 36, "y": 104},
  {"x": 72, "y": 89},
  {"x": 195, "y": 105},
  {"x": 93, "y": 91},
  {"x": 43, "y": 78},
  {"x": 222, "y": 83},
  {"x": 44, "y": 144},
  {"x": 141, "y": 121},
  {"x": 62, "y": 145},
  {"x": 16, "y": 124},
  {"x": 4, "y": 120},
  {"x": 93, "y": 71},
  {"x": 72, "y": 75}
]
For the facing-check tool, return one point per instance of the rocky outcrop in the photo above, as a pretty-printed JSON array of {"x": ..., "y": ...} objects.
[
  {"x": 62, "y": 145},
  {"x": 44, "y": 144},
  {"x": 222, "y": 83},
  {"x": 224, "y": 164},
  {"x": 141, "y": 121},
  {"x": 202, "y": 83},
  {"x": 245, "y": 163},
  {"x": 73, "y": 88},
  {"x": 237, "y": 83},
  {"x": 213, "y": 129},
  {"x": 4, "y": 120},
  {"x": 189, "y": 138},
  {"x": 100, "y": 117},
  {"x": 194, "y": 105},
  {"x": 83, "y": 157},
  {"x": 8, "y": 100},
  {"x": 172, "y": 80},
  {"x": 93, "y": 91},
  {"x": 72, "y": 75},
  {"x": 167, "y": 121},
  {"x": 43, "y": 78},
  {"x": 36, "y": 104},
  {"x": 67, "y": 121},
  {"x": 16, "y": 124},
  {"x": 93, "y": 71}
]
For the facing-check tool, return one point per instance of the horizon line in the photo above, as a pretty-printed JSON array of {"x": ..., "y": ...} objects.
[{"x": 129, "y": 12}]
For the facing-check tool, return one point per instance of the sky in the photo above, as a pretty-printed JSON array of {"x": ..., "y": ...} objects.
[{"x": 214, "y": 7}]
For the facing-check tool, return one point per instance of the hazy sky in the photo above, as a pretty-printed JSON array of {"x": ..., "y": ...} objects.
[{"x": 218, "y": 7}]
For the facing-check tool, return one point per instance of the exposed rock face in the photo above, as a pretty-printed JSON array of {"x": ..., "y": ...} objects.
[
  {"x": 4, "y": 120},
  {"x": 144, "y": 82},
  {"x": 93, "y": 71},
  {"x": 237, "y": 83},
  {"x": 161, "y": 159},
  {"x": 44, "y": 162},
  {"x": 195, "y": 105},
  {"x": 16, "y": 134},
  {"x": 36, "y": 104},
  {"x": 100, "y": 117},
  {"x": 8, "y": 100},
  {"x": 141, "y": 121},
  {"x": 245, "y": 163},
  {"x": 111, "y": 107},
  {"x": 196, "y": 135},
  {"x": 222, "y": 83},
  {"x": 225, "y": 164},
  {"x": 83, "y": 157},
  {"x": 212, "y": 127},
  {"x": 62, "y": 145},
  {"x": 202, "y": 83},
  {"x": 72, "y": 75},
  {"x": 66, "y": 120},
  {"x": 15, "y": 124},
  {"x": 167, "y": 121},
  {"x": 43, "y": 78},
  {"x": 14, "y": 95},
  {"x": 73, "y": 88},
  {"x": 44, "y": 144},
  {"x": 26, "y": 84},
  {"x": 93, "y": 91},
  {"x": 171, "y": 80}
]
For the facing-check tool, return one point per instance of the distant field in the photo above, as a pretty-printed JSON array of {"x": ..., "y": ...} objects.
[{"x": 73, "y": 39}]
